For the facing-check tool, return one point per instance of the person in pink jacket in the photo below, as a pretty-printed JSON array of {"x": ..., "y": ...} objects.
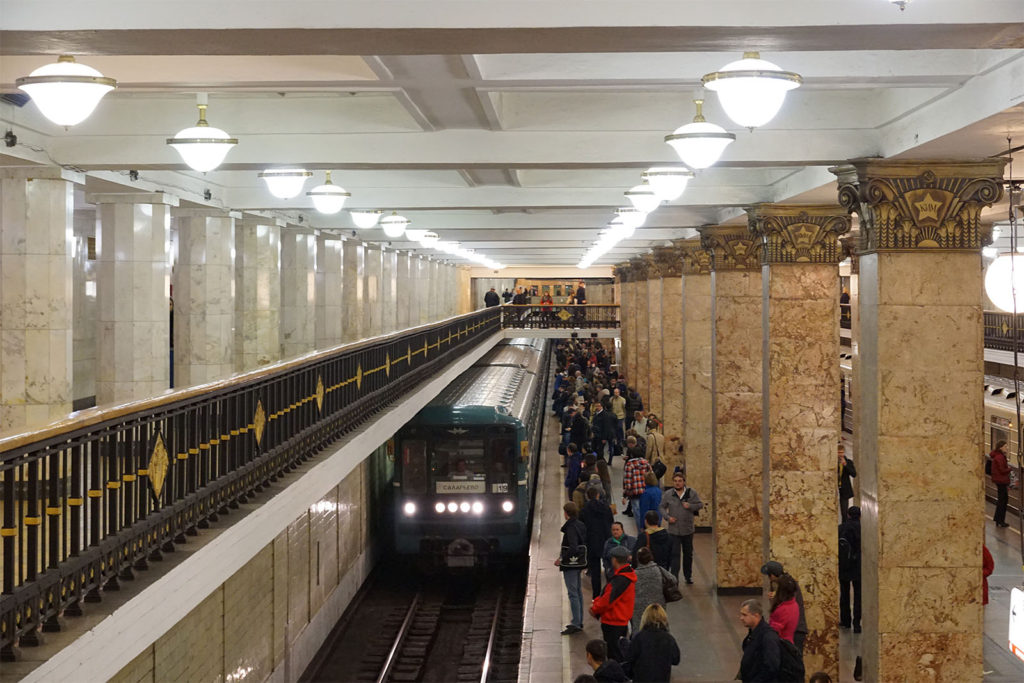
[{"x": 785, "y": 613}]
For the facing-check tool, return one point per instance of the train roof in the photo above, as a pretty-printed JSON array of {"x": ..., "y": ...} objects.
[
  {"x": 538, "y": 343},
  {"x": 483, "y": 395},
  {"x": 526, "y": 357}
]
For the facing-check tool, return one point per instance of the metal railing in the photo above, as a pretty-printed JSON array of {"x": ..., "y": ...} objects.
[
  {"x": 999, "y": 331},
  {"x": 559, "y": 316},
  {"x": 89, "y": 500}
]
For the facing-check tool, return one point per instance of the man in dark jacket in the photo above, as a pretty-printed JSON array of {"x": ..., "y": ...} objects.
[
  {"x": 619, "y": 538},
  {"x": 597, "y": 517},
  {"x": 574, "y": 535},
  {"x": 846, "y": 472},
  {"x": 579, "y": 429},
  {"x": 774, "y": 570},
  {"x": 603, "y": 425},
  {"x": 605, "y": 670},
  {"x": 491, "y": 298},
  {"x": 849, "y": 569},
  {"x": 761, "y": 655},
  {"x": 614, "y": 607}
]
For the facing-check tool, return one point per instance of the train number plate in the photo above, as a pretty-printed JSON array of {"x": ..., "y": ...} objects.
[{"x": 501, "y": 487}]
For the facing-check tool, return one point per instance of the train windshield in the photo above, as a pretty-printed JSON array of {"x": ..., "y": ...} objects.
[{"x": 471, "y": 463}]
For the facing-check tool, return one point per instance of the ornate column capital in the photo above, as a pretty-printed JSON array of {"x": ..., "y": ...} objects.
[
  {"x": 732, "y": 247},
  {"x": 848, "y": 248},
  {"x": 623, "y": 272},
  {"x": 640, "y": 268},
  {"x": 695, "y": 259},
  {"x": 795, "y": 233},
  {"x": 667, "y": 262},
  {"x": 911, "y": 205}
]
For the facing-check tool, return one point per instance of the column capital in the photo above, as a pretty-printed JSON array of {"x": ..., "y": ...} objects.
[
  {"x": 798, "y": 233},
  {"x": 623, "y": 272},
  {"x": 667, "y": 262},
  {"x": 206, "y": 213},
  {"x": 732, "y": 247},
  {"x": 640, "y": 268},
  {"x": 131, "y": 198},
  {"x": 42, "y": 173},
  {"x": 696, "y": 260},
  {"x": 848, "y": 247},
  {"x": 911, "y": 205}
]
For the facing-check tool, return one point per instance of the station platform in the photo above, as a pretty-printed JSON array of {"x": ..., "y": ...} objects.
[{"x": 705, "y": 625}]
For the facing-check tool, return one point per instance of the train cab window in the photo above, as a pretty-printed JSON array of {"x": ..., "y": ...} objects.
[
  {"x": 500, "y": 476},
  {"x": 459, "y": 466},
  {"x": 414, "y": 467}
]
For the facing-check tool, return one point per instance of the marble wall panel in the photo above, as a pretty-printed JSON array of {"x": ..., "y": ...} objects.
[
  {"x": 353, "y": 290},
  {"x": 405, "y": 290},
  {"x": 654, "y": 400},
  {"x": 84, "y": 348},
  {"x": 697, "y": 431},
  {"x": 257, "y": 293},
  {"x": 627, "y": 332},
  {"x": 329, "y": 307},
  {"x": 641, "y": 378},
  {"x": 464, "y": 303},
  {"x": 737, "y": 419},
  {"x": 298, "y": 292},
  {"x": 372, "y": 287},
  {"x": 389, "y": 291},
  {"x": 672, "y": 370},
  {"x": 919, "y": 594}
]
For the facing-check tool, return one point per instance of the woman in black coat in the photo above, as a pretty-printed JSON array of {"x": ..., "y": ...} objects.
[
  {"x": 655, "y": 537},
  {"x": 598, "y": 518},
  {"x": 652, "y": 651}
]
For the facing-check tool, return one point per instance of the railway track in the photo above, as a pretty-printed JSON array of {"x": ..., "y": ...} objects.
[{"x": 464, "y": 628}]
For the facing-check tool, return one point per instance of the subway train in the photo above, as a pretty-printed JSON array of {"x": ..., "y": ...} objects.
[
  {"x": 1000, "y": 417},
  {"x": 466, "y": 464}
]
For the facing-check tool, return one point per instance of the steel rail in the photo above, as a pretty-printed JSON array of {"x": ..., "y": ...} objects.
[
  {"x": 393, "y": 653},
  {"x": 486, "y": 668}
]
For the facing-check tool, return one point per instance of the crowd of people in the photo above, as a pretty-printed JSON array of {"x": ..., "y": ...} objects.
[{"x": 635, "y": 573}]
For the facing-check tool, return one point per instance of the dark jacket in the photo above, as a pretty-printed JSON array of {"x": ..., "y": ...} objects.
[
  {"x": 573, "y": 463},
  {"x": 573, "y": 534},
  {"x": 610, "y": 672},
  {"x": 598, "y": 518},
  {"x": 604, "y": 425},
  {"x": 1000, "y": 468},
  {"x": 579, "y": 430},
  {"x": 845, "y": 475},
  {"x": 849, "y": 564},
  {"x": 761, "y": 655},
  {"x": 627, "y": 541},
  {"x": 615, "y": 604},
  {"x": 651, "y": 655},
  {"x": 491, "y": 299},
  {"x": 660, "y": 545}
]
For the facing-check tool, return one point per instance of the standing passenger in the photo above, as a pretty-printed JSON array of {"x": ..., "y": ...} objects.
[
  {"x": 679, "y": 505},
  {"x": 574, "y": 534},
  {"x": 785, "y": 613},
  {"x": 614, "y": 606},
  {"x": 775, "y": 571},
  {"x": 762, "y": 655},
  {"x": 652, "y": 650},
  {"x": 849, "y": 569},
  {"x": 1001, "y": 478},
  {"x": 596, "y": 515},
  {"x": 846, "y": 472}
]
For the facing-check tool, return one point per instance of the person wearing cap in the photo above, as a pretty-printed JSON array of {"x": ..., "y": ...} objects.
[
  {"x": 614, "y": 607},
  {"x": 774, "y": 570},
  {"x": 849, "y": 569}
]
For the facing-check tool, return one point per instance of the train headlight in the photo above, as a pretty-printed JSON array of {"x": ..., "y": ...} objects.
[
  {"x": 453, "y": 507},
  {"x": 409, "y": 509},
  {"x": 478, "y": 508},
  {"x": 508, "y": 506},
  {"x": 464, "y": 506},
  {"x": 439, "y": 507}
]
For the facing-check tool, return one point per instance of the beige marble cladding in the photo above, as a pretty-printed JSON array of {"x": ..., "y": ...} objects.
[
  {"x": 672, "y": 370},
  {"x": 801, "y": 429},
  {"x": 133, "y": 296},
  {"x": 389, "y": 291},
  {"x": 257, "y": 293},
  {"x": 422, "y": 290},
  {"x": 352, "y": 290},
  {"x": 654, "y": 400},
  {"x": 627, "y": 323},
  {"x": 204, "y": 307},
  {"x": 736, "y": 387},
  {"x": 372, "y": 292},
  {"x": 84, "y": 347},
  {"x": 641, "y": 379},
  {"x": 462, "y": 300},
  {"x": 697, "y": 431},
  {"x": 329, "y": 307},
  {"x": 36, "y": 221},
  {"x": 919, "y": 470},
  {"x": 405, "y": 289},
  {"x": 298, "y": 292}
]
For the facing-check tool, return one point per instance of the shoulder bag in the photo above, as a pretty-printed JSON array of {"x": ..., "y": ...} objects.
[{"x": 670, "y": 588}]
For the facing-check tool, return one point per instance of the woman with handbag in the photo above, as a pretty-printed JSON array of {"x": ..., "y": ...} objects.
[
  {"x": 652, "y": 583},
  {"x": 572, "y": 561}
]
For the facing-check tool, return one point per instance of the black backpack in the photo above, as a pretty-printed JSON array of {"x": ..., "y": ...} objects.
[
  {"x": 988, "y": 466},
  {"x": 791, "y": 667}
]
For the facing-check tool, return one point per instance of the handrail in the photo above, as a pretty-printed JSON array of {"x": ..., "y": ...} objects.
[
  {"x": 999, "y": 331},
  {"x": 87, "y": 501},
  {"x": 559, "y": 316}
]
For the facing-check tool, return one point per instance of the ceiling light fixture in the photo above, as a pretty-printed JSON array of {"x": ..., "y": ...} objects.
[
  {"x": 667, "y": 182},
  {"x": 700, "y": 144},
  {"x": 643, "y": 197},
  {"x": 365, "y": 219},
  {"x": 751, "y": 90},
  {"x": 429, "y": 239},
  {"x": 285, "y": 183},
  {"x": 902, "y": 4},
  {"x": 394, "y": 225},
  {"x": 202, "y": 146},
  {"x": 414, "y": 234},
  {"x": 328, "y": 198},
  {"x": 632, "y": 218},
  {"x": 66, "y": 92},
  {"x": 1004, "y": 280}
]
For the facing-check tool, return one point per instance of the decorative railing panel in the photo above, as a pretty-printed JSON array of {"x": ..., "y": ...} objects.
[
  {"x": 560, "y": 316},
  {"x": 89, "y": 500},
  {"x": 999, "y": 331}
]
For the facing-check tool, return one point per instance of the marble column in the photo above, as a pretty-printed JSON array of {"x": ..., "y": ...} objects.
[
  {"x": 298, "y": 292},
  {"x": 627, "y": 322},
  {"x": 654, "y": 400},
  {"x": 84, "y": 317},
  {"x": 423, "y": 290},
  {"x": 698, "y": 429},
  {"x": 36, "y": 225},
  {"x": 329, "y": 308},
  {"x": 372, "y": 292},
  {"x": 352, "y": 290},
  {"x": 920, "y": 412},
  {"x": 668, "y": 261},
  {"x": 800, "y": 416},
  {"x": 257, "y": 292},
  {"x": 641, "y": 274},
  {"x": 405, "y": 288},
  {"x": 434, "y": 288},
  {"x": 204, "y": 309},
  {"x": 389, "y": 291},
  {"x": 736, "y": 407},
  {"x": 463, "y": 303},
  {"x": 133, "y": 296},
  {"x": 849, "y": 244}
]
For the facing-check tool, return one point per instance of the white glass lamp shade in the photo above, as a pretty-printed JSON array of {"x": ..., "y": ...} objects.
[
  {"x": 429, "y": 239},
  {"x": 365, "y": 219},
  {"x": 202, "y": 146},
  {"x": 66, "y": 92},
  {"x": 414, "y": 234},
  {"x": 1000, "y": 282},
  {"x": 700, "y": 144},
  {"x": 751, "y": 90},
  {"x": 632, "y": 218},
  {"x": 667, "y": 182},
  {"x": 394, "y": 225},
  {"x": 285, "y": 183},
  {"x": 328, "y": 198},
  {"x": 643, "y": 197},
  {"x": 622, "y": 232}
]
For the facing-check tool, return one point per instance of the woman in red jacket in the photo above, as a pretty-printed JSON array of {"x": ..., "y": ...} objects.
[
  {"x": 1001, "y": 478},
  {"x": 785, "y": 613},
  {"x": 987, "y": 567}
]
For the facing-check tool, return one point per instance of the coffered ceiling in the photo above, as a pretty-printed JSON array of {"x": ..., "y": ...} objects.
[{"x": 514, "y": 126}]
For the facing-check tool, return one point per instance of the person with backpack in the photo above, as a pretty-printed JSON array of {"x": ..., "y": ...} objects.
[
  {"x": 849, "y": 570},
  {"x": 571, "y": 562},
  {"x": 634, "y": 474}
]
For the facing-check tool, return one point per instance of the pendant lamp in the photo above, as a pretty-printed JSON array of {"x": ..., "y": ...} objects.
[
  {"x": 328, "y": 198},
  {"x": 700, "y": 144},
  {"x": 66, "y": 92},
  {"x": 202, "y": 146},
  {"x": 751, "y": 90}
]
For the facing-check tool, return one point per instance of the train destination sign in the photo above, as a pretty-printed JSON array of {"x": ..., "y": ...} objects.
[{"x": 461, "y": 487}]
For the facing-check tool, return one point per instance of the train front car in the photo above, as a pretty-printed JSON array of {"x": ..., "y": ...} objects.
[{"x": 465, "y": 465}]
